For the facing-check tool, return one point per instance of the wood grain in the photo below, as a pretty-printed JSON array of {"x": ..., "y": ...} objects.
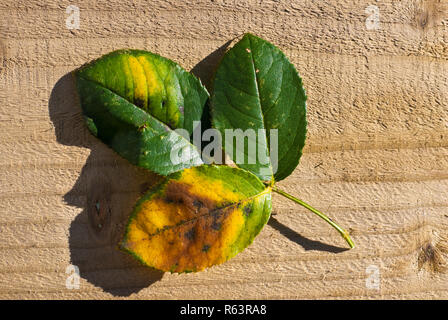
[{"x": 376, "y": 158}]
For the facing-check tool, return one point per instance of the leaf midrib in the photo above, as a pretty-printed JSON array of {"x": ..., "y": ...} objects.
[
  {"x": 259, "y": 103},
  {"x": 159, "y": 231},
  {"x": 296, "y": 133},
  {"x": 154, "y": 118}
]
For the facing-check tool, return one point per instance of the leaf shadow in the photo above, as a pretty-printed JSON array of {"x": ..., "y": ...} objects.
[
  {"x": 106, "y": 191},
  {"x": 205, "y": 69},
  {"x": 305, "y": 243}
]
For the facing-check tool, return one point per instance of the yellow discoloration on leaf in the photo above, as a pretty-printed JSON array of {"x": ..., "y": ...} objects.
[
  {"x": 162, "y": 214},
  {"x": 128, "y": 77},
  {"x": 152, "y": 77},
  {"x": 154, "y": 82},
  {"x": 140, "y": 85},
  {"x": 192, "y": 222},
  {"x": 231, "y": 228},
  {"x": 214, "y": 189},
  {"x": 176, "y": 206},
  {"x": 194, "y": 245}
]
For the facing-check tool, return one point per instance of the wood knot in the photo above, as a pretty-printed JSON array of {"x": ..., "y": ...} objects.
[
  {"x": 99, "y": 215},
  {"x": 431, "y": 258},
  {"x": 430, "y": 13},
  {"x": 423, "y": 19},
  {"x": 99, "y": 209}
]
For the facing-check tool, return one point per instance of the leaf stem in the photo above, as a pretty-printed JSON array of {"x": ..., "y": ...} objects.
[{"x": 343, "y": 233}]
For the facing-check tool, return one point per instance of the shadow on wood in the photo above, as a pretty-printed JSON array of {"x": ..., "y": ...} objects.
[
  {"x": 206, "y": 68},
  {"x": 305, "y": 243},
  {"x": 106, "y": 190}
]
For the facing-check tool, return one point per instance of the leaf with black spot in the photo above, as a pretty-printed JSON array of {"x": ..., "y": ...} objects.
[{"x": 170, "y": 232}]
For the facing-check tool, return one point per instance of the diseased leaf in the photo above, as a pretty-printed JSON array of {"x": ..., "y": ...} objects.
[
  {"x": 256, "y": 87},
  {"x": 199, "y": 215},
  {"x": 197, "y": 218},
  {"x": 133, "y": 100}
]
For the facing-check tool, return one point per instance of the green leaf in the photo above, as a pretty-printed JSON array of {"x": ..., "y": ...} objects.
[
  {"x": 256, "y": 87},
  {"x": 134, "y": 100},
  {"x": 197, "y": 218}
]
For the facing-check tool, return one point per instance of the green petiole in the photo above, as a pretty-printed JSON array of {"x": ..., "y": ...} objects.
[{"x": 343, "y": 232}]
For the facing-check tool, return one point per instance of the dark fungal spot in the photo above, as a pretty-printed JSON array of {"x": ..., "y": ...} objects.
[
  {"x": 216, "y": 225},
  {"x": 180, "y": 193},
  {"x": 190, "y": 234},
  {"x": 139, "y": 102},
  {"x": 198, "y": 203},
  {"x": 215, "y": 214},
  {"x": 168, "y": 200},
  {"x": 205, "y": 248},
  {"x": 248, "y": 209}
]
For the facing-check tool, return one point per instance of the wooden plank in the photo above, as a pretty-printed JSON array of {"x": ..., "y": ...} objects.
[{"x": 376, "y": 158}]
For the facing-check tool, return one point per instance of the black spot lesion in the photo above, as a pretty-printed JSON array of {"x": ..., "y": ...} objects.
[
  {"x": 190, "y": 234},
  {"x": 170, "y": 199},
  {"x": 248, "y": 209},
  {"x": 179, "y": 193},
  {"x": 205, "y": 248},
  {"x": 139, "y": 102},
  {"x": 216, "y": 225},
  {"x": 198, "y": 204}
]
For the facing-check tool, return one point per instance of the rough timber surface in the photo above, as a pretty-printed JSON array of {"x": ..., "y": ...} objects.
[{"x": 376, "y": 157}]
